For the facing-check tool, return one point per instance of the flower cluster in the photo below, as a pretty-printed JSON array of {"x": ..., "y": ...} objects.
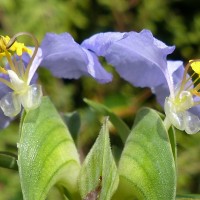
[{"x": 139, "y": 58}]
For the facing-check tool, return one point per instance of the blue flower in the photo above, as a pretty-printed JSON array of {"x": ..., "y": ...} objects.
[
  {"x": 15, "y": 78},
  {"x": 59, "y": 53},
  {"x": 141, "y": 59}
]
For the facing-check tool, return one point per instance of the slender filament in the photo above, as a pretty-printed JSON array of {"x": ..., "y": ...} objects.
[{"x": 34, "y": 53}]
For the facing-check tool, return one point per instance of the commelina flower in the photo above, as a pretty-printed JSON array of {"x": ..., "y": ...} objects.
[
  {"x": 178, "y": 106},
  {"x": 141, "y": 59},
  {"x": 59, "y": 53},
  {"x": 15, "y": 77}
]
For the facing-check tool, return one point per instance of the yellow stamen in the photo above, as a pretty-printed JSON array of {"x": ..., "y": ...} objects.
[
  {"x": 19, "y": 48},
  {"x": 12, "y": 66},
  {"x": 8, "y": 47},
  {"x": 195, "y": 66},
  {"x": 196, "y": 93},
  {"x": 195, "y": 89},
  {"x": 34, "y": 53},
  {"x": 3, "y": 71},
  {"x": 2, "y": 44},
  {"x": 186, "y": 84},
  {"x": 12, "y": 46}
]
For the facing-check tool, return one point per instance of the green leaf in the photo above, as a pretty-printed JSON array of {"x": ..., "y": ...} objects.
[
  {"x": 47, "y": 154},
  {"x": 73, "y": 122},
  {"x": 122, "y": 128},
  {"x": 8, "y": 160},
  {"x": 98, "y": 176},
  {"x": 147, "y": 168}
]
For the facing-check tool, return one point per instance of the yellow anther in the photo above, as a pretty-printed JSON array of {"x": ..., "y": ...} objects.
[
  {"x": 3, "y": 71},
  {"x": 19, "y": 48},
  {"x": 195, "y": 66},
  {"x": 2, "y": 55},
  {"x": 16, "y": 47},
  {"x": 3, "y": 42}
]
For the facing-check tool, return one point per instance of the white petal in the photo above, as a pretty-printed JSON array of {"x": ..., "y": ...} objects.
[
  {"x": 32, "y": 98},
  {"x": 187, "y": 101},
  {"x": 192, "y": 123},
  {"x": 16, "y": 82},
  {"x": 10, "y": 104},
  {"x": 176, "y": 118}
]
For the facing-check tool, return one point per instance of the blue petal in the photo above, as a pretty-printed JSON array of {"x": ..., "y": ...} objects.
[
  {"x": 3, "y": 88},
  {"x": 99, "y": 43},
  {"x": 161, "y": 92},
  {"x": 195, "y": 110},
  {"x": 95, "y": 69},
  {"x": 4, "y": 121},
  {"x": 67, "y": 59},
  {"x": 176, "y": 71},
  {"x": 140, "y": 59}
]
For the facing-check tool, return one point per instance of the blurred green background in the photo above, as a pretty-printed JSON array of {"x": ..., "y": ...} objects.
[{"x": 176, "y": 22}]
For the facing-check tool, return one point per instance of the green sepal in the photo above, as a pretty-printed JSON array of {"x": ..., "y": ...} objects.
[
  {"x": 122, "y": 128},
  {"x": 147, "y": 167},
  {"x": 98, "y": 174},
  {"x": 47, "y": 154}
]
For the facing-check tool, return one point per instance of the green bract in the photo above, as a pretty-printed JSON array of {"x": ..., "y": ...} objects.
[
  {"x": 47, "y": 154},
  {"x": 147, "y": 167},
  {"x": 99, "y": 172}
]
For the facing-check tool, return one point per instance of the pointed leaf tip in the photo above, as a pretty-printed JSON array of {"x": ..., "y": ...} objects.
[{"x": 98, "y": 174}]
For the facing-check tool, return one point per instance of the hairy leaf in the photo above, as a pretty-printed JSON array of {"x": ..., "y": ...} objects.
[
  {"x": 147, "y": 167},
  {"x": 47, "y": 154},
  {"x": 99, "y": 177}
]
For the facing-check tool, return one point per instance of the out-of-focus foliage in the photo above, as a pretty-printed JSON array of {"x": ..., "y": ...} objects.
[
  {"x": 42, "y": 16},
  {"x": 176, "y": 22},
  {"x": 173, "y": 21}
]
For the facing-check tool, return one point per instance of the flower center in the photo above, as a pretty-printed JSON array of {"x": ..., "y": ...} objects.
[
  {"x": 184, "y": 101},
  {"x": 177, "y": 107},
  {"x": 12, "y": 51},
  {"x": 17, "y": 76}
]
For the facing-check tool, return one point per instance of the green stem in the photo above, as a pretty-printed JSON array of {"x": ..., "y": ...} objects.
[{"x": 8, "y": 160}]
